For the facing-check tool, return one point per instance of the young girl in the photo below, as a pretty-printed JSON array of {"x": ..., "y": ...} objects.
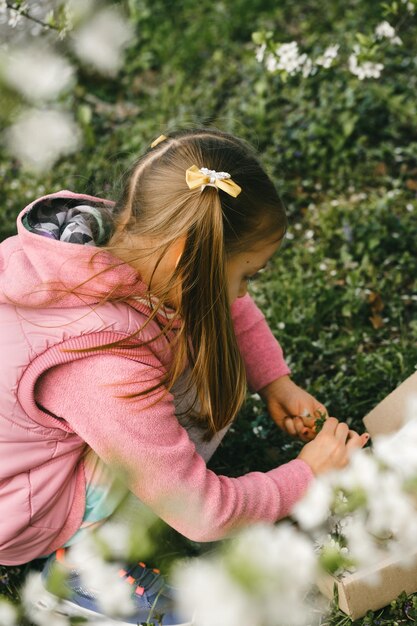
[{"x": 128, "y": 339}]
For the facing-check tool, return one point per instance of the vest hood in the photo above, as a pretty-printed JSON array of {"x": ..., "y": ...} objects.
[{"x": 54, "y": 260}]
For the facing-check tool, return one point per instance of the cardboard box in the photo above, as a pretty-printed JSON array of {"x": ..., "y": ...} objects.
[
  {"x": 356, "y": 592},
  {"x": 390, "y": 414}
]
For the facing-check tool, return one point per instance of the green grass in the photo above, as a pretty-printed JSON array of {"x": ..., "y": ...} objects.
[{"x": 341, "y": 296}]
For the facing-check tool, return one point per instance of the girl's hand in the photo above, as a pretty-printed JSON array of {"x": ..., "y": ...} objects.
[
  {"x": 331, "y": 448},
  {"x": 292, "y": 408}
]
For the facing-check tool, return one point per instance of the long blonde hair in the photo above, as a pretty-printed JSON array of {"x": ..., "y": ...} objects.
[{"x": 157, "y": 204}]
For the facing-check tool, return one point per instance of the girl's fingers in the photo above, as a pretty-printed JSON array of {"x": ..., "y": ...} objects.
[
  {"x": 357, "y": 441},
  {"x": 308, "y": 434},
  {"x": 321, "y": 411},
  {"x": 329, "y": 426},
  {"x": 299, "y": 426},
  {"x": 342, "y": 431},
  {"x": 304, "y": 432},
  {"x": 289, "y": 426},
  {"x": 308, "y": 421}
]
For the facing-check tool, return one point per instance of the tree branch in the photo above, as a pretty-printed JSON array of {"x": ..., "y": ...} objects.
[{"x": 28, "y": 16}]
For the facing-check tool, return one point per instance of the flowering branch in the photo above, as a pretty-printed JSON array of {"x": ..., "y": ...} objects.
[
  {"x": 23, "y": 12},
  {"x": 363, "y": 60}
]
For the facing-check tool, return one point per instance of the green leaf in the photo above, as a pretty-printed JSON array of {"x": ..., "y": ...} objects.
[{"x": 258, "y": 38}]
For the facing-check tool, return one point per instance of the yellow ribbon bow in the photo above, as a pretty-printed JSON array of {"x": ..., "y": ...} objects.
[
  {"x": 158, "y": 140},
  {"x": 204, "y": 177}
]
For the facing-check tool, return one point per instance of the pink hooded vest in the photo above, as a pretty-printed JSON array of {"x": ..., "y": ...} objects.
[{"x": 42, "y": 485}]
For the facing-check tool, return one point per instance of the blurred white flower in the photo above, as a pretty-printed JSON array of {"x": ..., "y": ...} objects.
[
  {"x": 260, "y": 53},
  {"x": 102, "y": 40},
  {"x": 258, "y": 579},
  {"x": 116, "y": 537},
  {"x": 361, "y": 545},
  {"x": 37, "y": 72},
  {"x": 8, "y": 613},
  {"x": 308, "y": 68},
  {"x": 3, "y": 6},
  {"x": 271, "y": 63},
  {"x": 328, "y": 56},
  {"x": 266, "y": 561},
  {"x": 39, "y": 138},
  {"x": 392, "y": 512},
  {"x": 361, "y": 473},
  {"x": 99, "y": 576},
  {"x": 39, "y": 605},
  {"x": 384, "y": 29},
  {"x": 289, "y": 58},
  {"x": 274, "y": 552},
  {"x": 398, "y": 450},
  {"x": 14, "y": 18},
  {"x": 314, "y": 509},
  {"x": 208, "y": 593},
  {"x": 366, "y": 69}
]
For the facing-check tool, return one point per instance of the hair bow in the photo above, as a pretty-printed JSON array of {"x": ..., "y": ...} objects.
[
  {"x": 158, "y": 140},
  {"x": 204, "y": 177}
]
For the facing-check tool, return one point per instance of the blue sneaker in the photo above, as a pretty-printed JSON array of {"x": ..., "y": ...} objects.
[{"x": 152, "y": 597}]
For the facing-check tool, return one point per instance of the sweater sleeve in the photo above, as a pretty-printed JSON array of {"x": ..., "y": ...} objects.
[
  {"x": 160, "y": 462},
  {"x": 261, "y": 352}
]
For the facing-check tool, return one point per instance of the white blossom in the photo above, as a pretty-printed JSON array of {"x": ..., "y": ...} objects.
[
  {"x": 398, "y": 450},
  {"x": 39, "y": 605},
  {"x": 102, "y": 40},
  {"x": 362, "y": 473},
  {"x": 8, "y": 612},
  {"x": 308, "y": 68},
  {"x": 385, "y": 30},
  {"x": 328, "y": 56},
  {"x": 366, "y": 69},
  {"x": 271, "y": 63},
  {"x": 14, "y": 18},
  {"x": 3, "y": 6},
  {"x": 116, "y": 536},
  {"x": 314, "y": 508},
  {"x": 289, "y": 58},
  {"x": 391, "y": 512},
  {"x": 260, "y": 53},
  {"x": 99, "y": 576},
  {"x": 37, "y": 72},
  {"x": 263, "y": 573},
  {"x": 361, "y": 545},
  {"x": 207, "y": 592},
  {"x": 39, "y": 138}
]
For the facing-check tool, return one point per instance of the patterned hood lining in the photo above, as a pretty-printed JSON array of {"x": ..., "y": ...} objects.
[{"x": 87, "y": 224}]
